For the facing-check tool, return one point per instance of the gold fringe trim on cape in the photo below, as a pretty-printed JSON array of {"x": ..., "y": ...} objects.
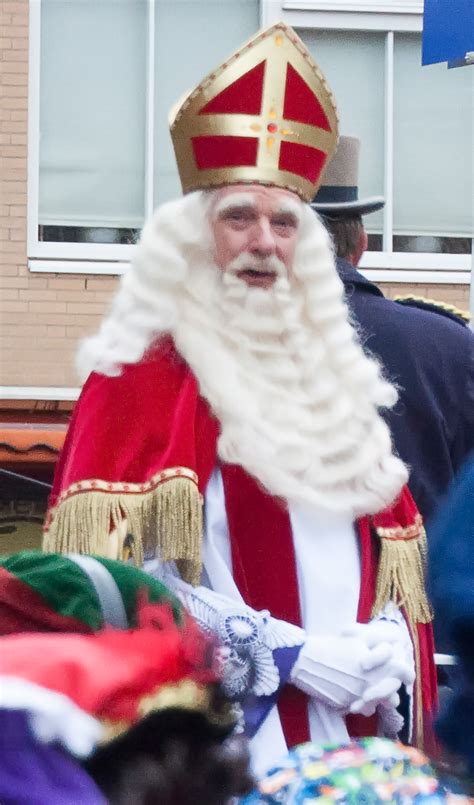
[
  {"x": 401, "y": 572},
  {"x": 163, "y": 515}
]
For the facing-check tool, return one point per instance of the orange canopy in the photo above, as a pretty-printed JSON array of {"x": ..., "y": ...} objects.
[{"x": 28, "y": 442}]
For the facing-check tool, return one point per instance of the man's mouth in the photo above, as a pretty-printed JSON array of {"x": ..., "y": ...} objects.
[{"x": 258, "y": 279}]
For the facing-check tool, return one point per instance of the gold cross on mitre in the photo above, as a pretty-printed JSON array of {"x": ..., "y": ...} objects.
[{"x": 265, "y": 116}]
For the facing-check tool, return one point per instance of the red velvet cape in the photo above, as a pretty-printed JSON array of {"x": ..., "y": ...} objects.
[{"x": 152, "y": 418}]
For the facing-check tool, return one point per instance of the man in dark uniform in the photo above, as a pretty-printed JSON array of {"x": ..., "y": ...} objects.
[{"x": 430, "y": 357}]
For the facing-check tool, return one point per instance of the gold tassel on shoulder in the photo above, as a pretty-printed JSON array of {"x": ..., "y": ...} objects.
[
  {"x": 401, "y": 573},
  {"x": 163, "y": 515},
  {"x": 401, "y": 579}
]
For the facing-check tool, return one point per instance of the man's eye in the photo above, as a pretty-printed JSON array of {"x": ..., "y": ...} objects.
[
  {"x": 239, "y": 218},
  {"x": 234, "y": 216},
  {"x": 284, "y": 224}
]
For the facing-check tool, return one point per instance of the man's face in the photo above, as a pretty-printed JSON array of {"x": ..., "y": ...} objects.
[{"x": 255, "y": 232}]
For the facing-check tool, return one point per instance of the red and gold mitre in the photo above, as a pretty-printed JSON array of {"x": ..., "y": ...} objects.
[{"x": 265, "y": 116}]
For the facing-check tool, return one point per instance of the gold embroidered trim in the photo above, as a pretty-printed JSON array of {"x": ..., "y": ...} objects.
[
  {"x": 163, "y": 515},
  {"x": 436, "y": 303},
  {"x": 96, "y": 485},
  {"x": 183, "y": 695},
  {"x": 113, "y": 729},
  {"x": 187, "y": 695},
  {"x": 401, "y": 532}
]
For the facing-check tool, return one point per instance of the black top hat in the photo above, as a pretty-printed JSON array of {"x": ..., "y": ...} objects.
[{"x": 338, "y": 196}]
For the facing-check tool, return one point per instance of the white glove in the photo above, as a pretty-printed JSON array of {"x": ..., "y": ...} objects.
[
  {"x": 351, "y": 673},
  {"x": 391, "y": 627}
]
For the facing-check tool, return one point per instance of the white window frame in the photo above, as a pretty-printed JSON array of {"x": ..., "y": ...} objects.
[
  {"x": 57, "y": 393},
  {"x": 112, "y": 259}
]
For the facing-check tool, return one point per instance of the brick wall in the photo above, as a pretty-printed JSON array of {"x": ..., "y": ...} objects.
[
  {"x": 42, "y": 316},
  {"x": 457, "y": 295}
]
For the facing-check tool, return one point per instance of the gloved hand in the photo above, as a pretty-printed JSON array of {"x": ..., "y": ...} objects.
[
  {"x": 342, "y": 671},
  {"x": 389, "y": 626}
]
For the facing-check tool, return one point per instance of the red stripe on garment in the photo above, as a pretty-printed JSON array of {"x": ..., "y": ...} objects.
[{"x": 264, "y": 569}]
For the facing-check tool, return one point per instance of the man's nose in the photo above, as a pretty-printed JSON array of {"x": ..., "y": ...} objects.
[{"x": 263, "y": 241}]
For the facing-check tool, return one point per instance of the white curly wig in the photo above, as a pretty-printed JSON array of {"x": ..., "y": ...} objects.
[{"x": 283, "y": 370}]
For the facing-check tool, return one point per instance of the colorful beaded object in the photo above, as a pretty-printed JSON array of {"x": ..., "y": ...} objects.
[{"x": 368, "y": 771}]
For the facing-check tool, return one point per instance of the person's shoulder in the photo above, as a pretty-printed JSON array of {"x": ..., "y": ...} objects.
[
  {"x": 428, "y": 323},
  {"x": 414, "y": 336},
  {"x": 366, "y": 296},
  {"x": 433, "y": 327},
  {"x": 161, "y": 366},
  {"x": 444, "y": 309},
  {"x": 160, "y": 356}
]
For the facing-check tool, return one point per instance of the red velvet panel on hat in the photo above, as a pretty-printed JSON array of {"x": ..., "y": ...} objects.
[
  {"x": 302, "y": 160},
  {"x": 301, "y": 104},
  {"x": 23, "y": 609},
  {"x": 243, "y": 97},
  {"x": 224, "y": 152},
  {"x": 109, "y": 673}
]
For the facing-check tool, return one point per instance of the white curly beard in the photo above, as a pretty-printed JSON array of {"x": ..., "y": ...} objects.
[{"x": 287, "y": 416}]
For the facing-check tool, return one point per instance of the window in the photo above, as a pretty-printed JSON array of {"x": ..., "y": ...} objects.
[
  {"x": 432, "y": 154},
  {"x": 92, "y": 120},
  {"x": 104, "y": 75},
  {"x": 105, "y": 158},
  {"x": 416, "y": 128}
]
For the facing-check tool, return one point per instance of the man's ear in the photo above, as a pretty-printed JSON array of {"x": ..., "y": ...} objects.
[{"x": 361, "y": 246}]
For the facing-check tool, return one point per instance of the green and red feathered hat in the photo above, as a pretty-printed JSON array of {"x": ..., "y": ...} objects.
[
  {"x": 67, "y": 593},
  {"x": 84, "y": 690}
]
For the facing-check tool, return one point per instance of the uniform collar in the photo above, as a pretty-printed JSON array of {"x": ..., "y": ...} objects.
[{"x": 350, "y": 276}]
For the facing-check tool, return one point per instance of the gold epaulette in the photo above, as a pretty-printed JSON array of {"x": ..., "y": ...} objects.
[{"x": 435, "y": 305}]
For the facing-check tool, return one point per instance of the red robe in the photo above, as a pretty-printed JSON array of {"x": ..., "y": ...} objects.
[{"x": 144, "y": 444}]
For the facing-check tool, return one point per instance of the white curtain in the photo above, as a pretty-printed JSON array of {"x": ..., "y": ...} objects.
[
  {"x": 192, "y": 38},
  {"x": 353, "y": 64},
  {"x": 92, "y": 118},
  {"x": 433, "y": 144}
]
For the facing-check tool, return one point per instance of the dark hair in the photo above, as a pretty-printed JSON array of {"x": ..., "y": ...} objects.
[
  {"x": 175, "y": 757},
  {"x": 345, "y": 233}
]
